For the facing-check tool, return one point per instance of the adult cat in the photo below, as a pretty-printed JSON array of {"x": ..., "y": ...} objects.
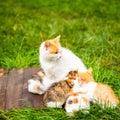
[{"x": 56, "y": 62}]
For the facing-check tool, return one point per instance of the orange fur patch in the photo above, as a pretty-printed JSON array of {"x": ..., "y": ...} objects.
[
  {"x": 76, "y": 94},
  {"x": 75, "y": 101},
  {"x": 104, "y": 94},
  {"x": 86, "y": 77},
  {"x": 85, "y": 99},
  {"x": 36, "y": 87},
  {"x": 47, "y": 44},
  {"x": 58, "y": 89},
  {"x": 53, "y": 46}
]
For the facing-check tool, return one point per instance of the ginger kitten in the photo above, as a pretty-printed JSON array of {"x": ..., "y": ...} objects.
[{"x": 97, "y": 92}]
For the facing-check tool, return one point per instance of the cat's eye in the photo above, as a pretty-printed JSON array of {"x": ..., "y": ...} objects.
[
  {"x": 56, "y": 52},
  {"x": 70, "y": 102}
]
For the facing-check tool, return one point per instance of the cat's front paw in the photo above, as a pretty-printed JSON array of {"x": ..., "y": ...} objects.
[
  {"x": 41, "y": 74},
  {"x": 33, "y": 87}
]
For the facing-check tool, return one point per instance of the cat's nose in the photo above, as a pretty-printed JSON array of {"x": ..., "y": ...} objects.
[{"x": 59, "y": 57}]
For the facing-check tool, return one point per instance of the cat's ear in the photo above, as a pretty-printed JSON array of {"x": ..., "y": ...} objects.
[
  {"x": 89, "y": 71},
  {"x": 47, "y": 44},
  {"x": 58, "y": 38}
]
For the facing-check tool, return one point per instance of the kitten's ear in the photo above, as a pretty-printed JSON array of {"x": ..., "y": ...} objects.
[
  {"x": 76, "y": 72},
  {"x": 58, "y": 38},
  {"x": 89, "y": 71}
]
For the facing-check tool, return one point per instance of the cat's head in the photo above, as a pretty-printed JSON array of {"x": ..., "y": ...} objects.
[
  {"x": 86, "y": 77},
  {"x": 51, "y": 48}
]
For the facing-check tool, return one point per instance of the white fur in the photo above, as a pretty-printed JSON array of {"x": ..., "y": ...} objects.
[
  {"x": 81, "y": 105},
  {"x": 31, "y": 84},
  {"x": 54, "y": 104},
  {"x": 57, "y": 66},
  {"x": 78, "y": 88},
  {"x": 42, "y": 86},
  {"x": 91, "y": 86},
  {"x": 87, "y": 88}
]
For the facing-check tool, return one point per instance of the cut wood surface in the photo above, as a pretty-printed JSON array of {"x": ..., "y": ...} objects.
[{"x": 13, "y": 89}]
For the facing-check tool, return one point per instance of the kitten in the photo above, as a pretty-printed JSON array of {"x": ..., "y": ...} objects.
[
  {"x": 56, "y": 95},
  {"x": 75, "y": 102},
  {"x": 97, "y": 92},
  {"x": 57, "y": 62}
]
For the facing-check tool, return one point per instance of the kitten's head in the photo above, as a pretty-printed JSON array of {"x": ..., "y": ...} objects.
[
  {"x": 51, "y": 48},
  {"x": 86, "y": 77},
  {"x": 72, "y": 104},
  {"x": 72, "y": 75},
  {"x": 76, "y": 102},
  {"x": 71, "y": 78}
]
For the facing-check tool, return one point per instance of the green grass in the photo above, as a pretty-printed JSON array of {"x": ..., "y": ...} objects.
[
  {"x": 96, "y": 113},
  {"x": 91, "y": 29}
]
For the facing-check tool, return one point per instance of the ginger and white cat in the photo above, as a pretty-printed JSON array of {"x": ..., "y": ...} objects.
[
  {"x": 96, "y": 92},
  {"x": 56, "y": 63},
  {"x": 75, "y": 102}
]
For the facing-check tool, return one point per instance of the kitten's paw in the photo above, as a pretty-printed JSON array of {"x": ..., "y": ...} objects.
[
  {"x": 85, "y": 111},
  {"x": 54, "y": 104},
  {"x": 71, "y": 114},
  {"x": 33, "y": 87}
]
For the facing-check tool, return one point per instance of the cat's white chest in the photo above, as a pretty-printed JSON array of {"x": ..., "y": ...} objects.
[
  {"x": 51, "y": 71},
  {"x": 54, "y": 71},
  {"x": 57, "y": 69}
]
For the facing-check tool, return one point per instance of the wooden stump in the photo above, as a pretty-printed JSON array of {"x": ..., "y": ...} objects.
[{"x": 13, "y": 90}]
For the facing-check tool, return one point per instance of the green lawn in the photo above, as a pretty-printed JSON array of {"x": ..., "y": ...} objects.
[{"x": 90, "y": 28}]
